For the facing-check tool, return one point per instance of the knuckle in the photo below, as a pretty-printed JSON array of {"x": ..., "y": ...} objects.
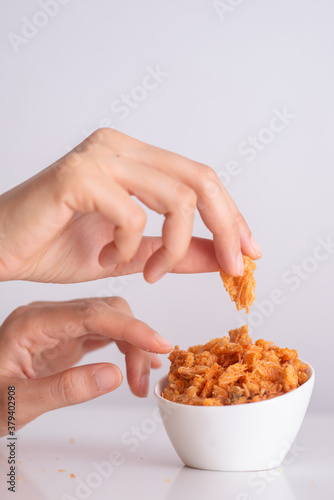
[
  {"x": 20, "y": 318},
  {"x": 19, "y": 311},
  {"x": 207, "y": 173},
  {"x": 64, "y": 167},
  {"x": 103, "y": 135},
  {"x": 186, "y": 195},
  {"x": 208, "y": 181},
  {"x": 119, "y": 303},
  {"x": 35, "y": 303},
  {"x": 90, "y": 145},
  {"x": 66, "y": 170},
  {"x": 179, "y": 254},
  {"x": 74, "y": 167},
  {"x": 66, "y": 390},
  {"x": 68, "y": 167},
  {"x": 136, "y": 218},
  {"x": 99, "y": 136},
  {"x": 240, "y": 221},
  {"x": 72, "y": 328},
  {"x": 90, "y": 308},
  {"x": 185, "y": 201}
]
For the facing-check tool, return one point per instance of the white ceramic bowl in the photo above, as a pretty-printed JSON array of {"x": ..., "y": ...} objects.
[{"x": 245, "y": 437}]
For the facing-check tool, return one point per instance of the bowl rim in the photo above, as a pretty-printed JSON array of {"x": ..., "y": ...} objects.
[{"x": 311, "y": 380}]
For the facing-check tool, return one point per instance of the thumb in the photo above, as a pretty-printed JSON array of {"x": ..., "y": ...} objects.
[
  {"x": 200, "y": 258},
  {"x": 70, "y": 387}
]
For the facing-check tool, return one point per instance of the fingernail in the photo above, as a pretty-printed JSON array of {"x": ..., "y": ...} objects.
[
  {"x": 106, "y": 261},
  {"x": 162, "y": 341},
  {"x": 107, "y": 378},
  {"x": 157, "y": 278},
  {"x": 255, "y": 246},
  {"x": 158, "y": 363},
  {"x": 109, "y": 255},
  {"x": 144, "y": 385},
  {"x": 240, "y": 264}
]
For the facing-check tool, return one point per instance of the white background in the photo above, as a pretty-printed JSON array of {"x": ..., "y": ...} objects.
[{"x": 225, "y": 78}]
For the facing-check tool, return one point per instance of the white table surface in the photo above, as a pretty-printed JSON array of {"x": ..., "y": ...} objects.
[{"x": 69, "y": 441}]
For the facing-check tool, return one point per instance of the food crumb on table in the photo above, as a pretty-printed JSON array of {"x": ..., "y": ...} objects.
[{"x": 72, "y": 475}]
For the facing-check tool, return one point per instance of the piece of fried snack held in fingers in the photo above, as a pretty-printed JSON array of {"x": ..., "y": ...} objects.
[{"x": 241, "y": 288}]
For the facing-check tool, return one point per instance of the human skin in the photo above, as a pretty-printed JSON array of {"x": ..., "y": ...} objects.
[
  {"x": 40, "y": 343},
  {"x": 79, "y": 220}
]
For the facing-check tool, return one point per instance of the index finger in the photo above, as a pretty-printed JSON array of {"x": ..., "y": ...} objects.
[{"x": 74, "y": 319}]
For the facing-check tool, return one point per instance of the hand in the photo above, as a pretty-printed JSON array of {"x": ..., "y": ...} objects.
[
  {"x": 77, "y": 220},
  {"x": 41, "y": 342}
]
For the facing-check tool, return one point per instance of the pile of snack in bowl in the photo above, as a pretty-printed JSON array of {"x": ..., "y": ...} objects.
[{"x": 210, "y": 387}]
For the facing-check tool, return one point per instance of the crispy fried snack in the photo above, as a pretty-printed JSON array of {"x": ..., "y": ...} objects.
[
  {"x": 232, "y": 370},
  {"x": 242, "y": 288}
]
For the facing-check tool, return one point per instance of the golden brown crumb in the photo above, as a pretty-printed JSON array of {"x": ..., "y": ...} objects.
[
  {"x": 241, "y": 288},
  {"x": 61, "y": 470},
  {"x": 72, "y": 475},
  {"x": 232, "y": 370}
]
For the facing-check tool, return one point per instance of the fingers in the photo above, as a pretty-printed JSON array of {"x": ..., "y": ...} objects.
[
  {"x": 200, "y": 257},
  {"x": 138, "y": 365},
  {"x": 31, "y": 327},
  {"x": 103, "y": 318},
  {"x": 114, "y": 167},
  {"x": 48, "y": 221},
  {"x": 231, "y": 234},
  {"x": 70, "y": 387},
  {"x": 101, "y": 194},
  {"x": 218, "y": 217},
  {"x": 249, "y": 245},
  {"x": 110, "y": 196},
  {"x": 74, "y": 319},
  {"x": 165, "y": 195},
  {"x": 155, "y": 361}
]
